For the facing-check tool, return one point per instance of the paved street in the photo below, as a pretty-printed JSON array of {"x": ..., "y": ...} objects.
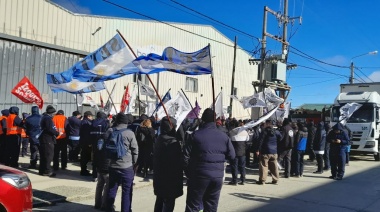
[{"x": 359, "y": 191}]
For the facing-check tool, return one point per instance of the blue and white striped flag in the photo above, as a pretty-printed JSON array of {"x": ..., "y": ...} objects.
[
  {"x": 111, "y": 61},
  {"x": 195, "y": 63},
  {"x": 64, "y": 82}
]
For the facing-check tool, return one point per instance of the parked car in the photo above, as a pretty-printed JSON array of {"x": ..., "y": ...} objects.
[{"x": 15, "y": 190}]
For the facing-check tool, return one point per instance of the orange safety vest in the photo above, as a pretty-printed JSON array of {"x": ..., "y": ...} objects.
[
  {"x": 59, "y": 122},
  {"x": 1, "y": 126},
  {"x": 11, "y": 128}
]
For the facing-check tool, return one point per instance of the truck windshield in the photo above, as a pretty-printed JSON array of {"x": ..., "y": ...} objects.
[{"x": 364, "y": 114}]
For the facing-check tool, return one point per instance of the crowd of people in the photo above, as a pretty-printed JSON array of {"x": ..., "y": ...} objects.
[{"x": 196, "y": 150}]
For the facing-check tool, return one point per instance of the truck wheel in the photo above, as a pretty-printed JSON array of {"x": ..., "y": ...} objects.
[{"x": 377, "y": 156}]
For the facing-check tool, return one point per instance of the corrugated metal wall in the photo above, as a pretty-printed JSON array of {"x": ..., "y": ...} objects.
[
  {"x": 19, "y": 60},
  {"x": 42, "y": 21}
]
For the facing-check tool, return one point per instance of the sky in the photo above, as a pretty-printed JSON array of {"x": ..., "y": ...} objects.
[{"x": 330, "y": 35}]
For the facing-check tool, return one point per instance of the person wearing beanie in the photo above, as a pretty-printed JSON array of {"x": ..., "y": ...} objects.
[
  {"x": 33, "y": 129},
  {"x": 167, "y": 164},
  {"x": 13, "y": 137},
  {"x": 72, "y": 131},
  {"x": 204, "y": 156},
  {"x": 47, "y": 142},
  {"x": 85, "y": 142},
  {"x": 61, "y": 122},
  {"x": 3, "y": 132},
  {"x": 122, "y": 169}
]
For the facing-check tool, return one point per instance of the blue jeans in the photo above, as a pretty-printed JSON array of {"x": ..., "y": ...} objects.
[
  {"x": 299, "y": 162},
  {"x": 338, "y": 161},
  {"x": 238, "y": 164},
  {"x": 123, "y": 177}
]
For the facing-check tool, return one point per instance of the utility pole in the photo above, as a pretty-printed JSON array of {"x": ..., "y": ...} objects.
[
  {"x": 233, "y": 76},
  {"x": 352, "y": 73}
]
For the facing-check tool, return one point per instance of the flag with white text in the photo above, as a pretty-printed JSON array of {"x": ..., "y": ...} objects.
[{"x": 27, "y": 92}]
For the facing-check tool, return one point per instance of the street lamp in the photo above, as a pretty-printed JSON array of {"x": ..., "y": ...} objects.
[{"x": 352, "y": 64}]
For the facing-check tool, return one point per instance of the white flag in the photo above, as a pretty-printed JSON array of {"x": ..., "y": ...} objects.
[
  {"x": 281, "y": 113},
  {"x": 177, "y": 107},
  {"x": 257, "y": 122},
  {"x": 80, "y": 99},
  {"x": 132, "y": 101},
  {"x": 146, "y": 90},
  {"x": 219, "y": 106},
  {"x": 268, "y": 99},
  {"x": 90, "y": 101},
  {"x": 347, "y": 110}
]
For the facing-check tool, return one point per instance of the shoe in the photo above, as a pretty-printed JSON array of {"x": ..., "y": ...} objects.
[
  {"x": 260, "y": 182},
  {"x": 332, "y": 177},
  {"x": 274, "y": 182},
  {"x": 318, "y": 172},
  {"x": 85, "y": 173},
  {"x": 338, "y": 178},
  {"x": 232, "y": 183},
  {"x": 241, "y": 183}
]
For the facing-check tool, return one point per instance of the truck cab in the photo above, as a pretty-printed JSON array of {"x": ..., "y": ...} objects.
[{"x": 365, "y": 122}]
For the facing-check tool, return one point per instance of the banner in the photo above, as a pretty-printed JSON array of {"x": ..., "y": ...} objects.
[
  {"x": 267, "y": 98},
  {"x": 110, "y": 61},
  {"x": 64, "y": 81},
  {"x": 132, "y": 101},
  {"x": 347, "y": 110},
  {"x": 146, "y": 90},
  {"x": 195, "y": 63},
  {"x": 26, "y": 92},
  {"x": 194, "y": 113},
  {"x": 258, "y": 121},
  {"x": 178, "y": 108},
  {"x": 125, "y": 100}
]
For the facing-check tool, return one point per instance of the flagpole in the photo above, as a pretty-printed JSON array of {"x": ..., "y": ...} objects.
[
  {"x": 212, "y": 82},
  {"x": 110, "y": 97},
  {"x": 192, "y": 108},
  {"x": 155, "y": 110},
  {"x": 154, "y": 87},
  {"x": 138, "y": 89},
  {"x": 76, "y": 101}
]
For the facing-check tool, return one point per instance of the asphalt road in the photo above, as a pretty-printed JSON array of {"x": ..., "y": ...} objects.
[{"x": 358, "y": 191}]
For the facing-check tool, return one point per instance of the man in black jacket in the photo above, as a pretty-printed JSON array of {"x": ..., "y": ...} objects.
[
  {"x": 85, "y": 142},
  {"x": 285, "y": 146},
  {"x": 73, "y": 129},
  {"x": 33, "y": 128},
  {"x": 47, "y": 141}
]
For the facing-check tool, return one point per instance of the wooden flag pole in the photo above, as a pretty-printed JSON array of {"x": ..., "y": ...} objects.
[
  {"x": 212, "y": 83},
  {"x": 192, "y": 108},
  {"x": 151, "y": 82}
]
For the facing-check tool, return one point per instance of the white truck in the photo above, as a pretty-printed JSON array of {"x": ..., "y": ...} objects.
[{"x": 365, "y": 122}]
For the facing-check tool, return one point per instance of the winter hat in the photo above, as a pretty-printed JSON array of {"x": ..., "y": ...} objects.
[
  {"x": 50, "y": 109},
  {"x": 208, "y": 115},
  {"x": 60, "y": 112},
  {"x": 122, "y": 118},
  {"x": 5, "y": 112}
]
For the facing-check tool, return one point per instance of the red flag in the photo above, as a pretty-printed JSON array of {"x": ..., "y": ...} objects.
[
  {"x": 26, "y": 91},
  {"x": 101, "y": 101},
  {"x": 125, "y": 100}
]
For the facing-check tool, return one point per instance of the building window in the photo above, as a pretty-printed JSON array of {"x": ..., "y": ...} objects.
[{"x": 191, "y": 84}]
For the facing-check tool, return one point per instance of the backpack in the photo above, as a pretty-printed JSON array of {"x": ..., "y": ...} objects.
[{"x": 114, "y": 144}]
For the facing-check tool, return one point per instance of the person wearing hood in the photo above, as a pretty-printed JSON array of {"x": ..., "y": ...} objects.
[
  {"x": 204, "y": 157},
  {"x": 13, "y": 138},
  {"x": 319, "y": 144},
  {"x": 121, "y": 171},
  {"x": 85, "y": 142},
  {"x": 267, "y": 152},
  {"x": 100, "y": 161},
  {"x": 24, "y": 136},
  {"x": 167, "y": 163},
  {"x": 47, "y": 142},
  {"x": 33, "y": 129},
  {"x": 338, "y": 140},
  {"x": 61, "y": 122},
  {"x": 3, "y": 132}
]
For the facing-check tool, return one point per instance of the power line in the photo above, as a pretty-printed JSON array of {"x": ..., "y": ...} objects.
[
  {"x": 361, "y": 79},
  {"x": 341, "y": 75},
  {"x": 363, "y": 74},
  {"x": 316, "y": 83},
  {"x": 146, "y": 16},
  {"x": 302, "y": 54}
]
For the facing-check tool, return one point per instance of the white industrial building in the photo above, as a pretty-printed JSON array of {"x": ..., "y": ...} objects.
[{"x": 39, "y": 37}]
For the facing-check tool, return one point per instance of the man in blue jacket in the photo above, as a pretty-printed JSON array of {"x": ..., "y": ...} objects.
[
  {"x": 33, "y": 128},
  {"x": 204, "y": 158},
  {"x": 338, "y": 140},
  {"x": 73, "y": 129}
]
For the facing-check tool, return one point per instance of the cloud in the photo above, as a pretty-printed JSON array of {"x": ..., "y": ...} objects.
[
  {"x": 73, "y": 6},
  {"x": 337, "y": 60},
  {"x": 375, "y": 76}
]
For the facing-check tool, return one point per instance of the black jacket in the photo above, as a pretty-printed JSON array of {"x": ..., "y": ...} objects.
[
  {"x": 32, "y": 125},
  {"x": 98, "y": 129},
  {"x": 287, "y": 141},
  {"x": 167, "y": 163},
  {"x": 73, "y": 128},
  {"x": 268, "y": 141},
  {"x": 320, "y": 138},
  {"x": 49, "y": 131}
]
